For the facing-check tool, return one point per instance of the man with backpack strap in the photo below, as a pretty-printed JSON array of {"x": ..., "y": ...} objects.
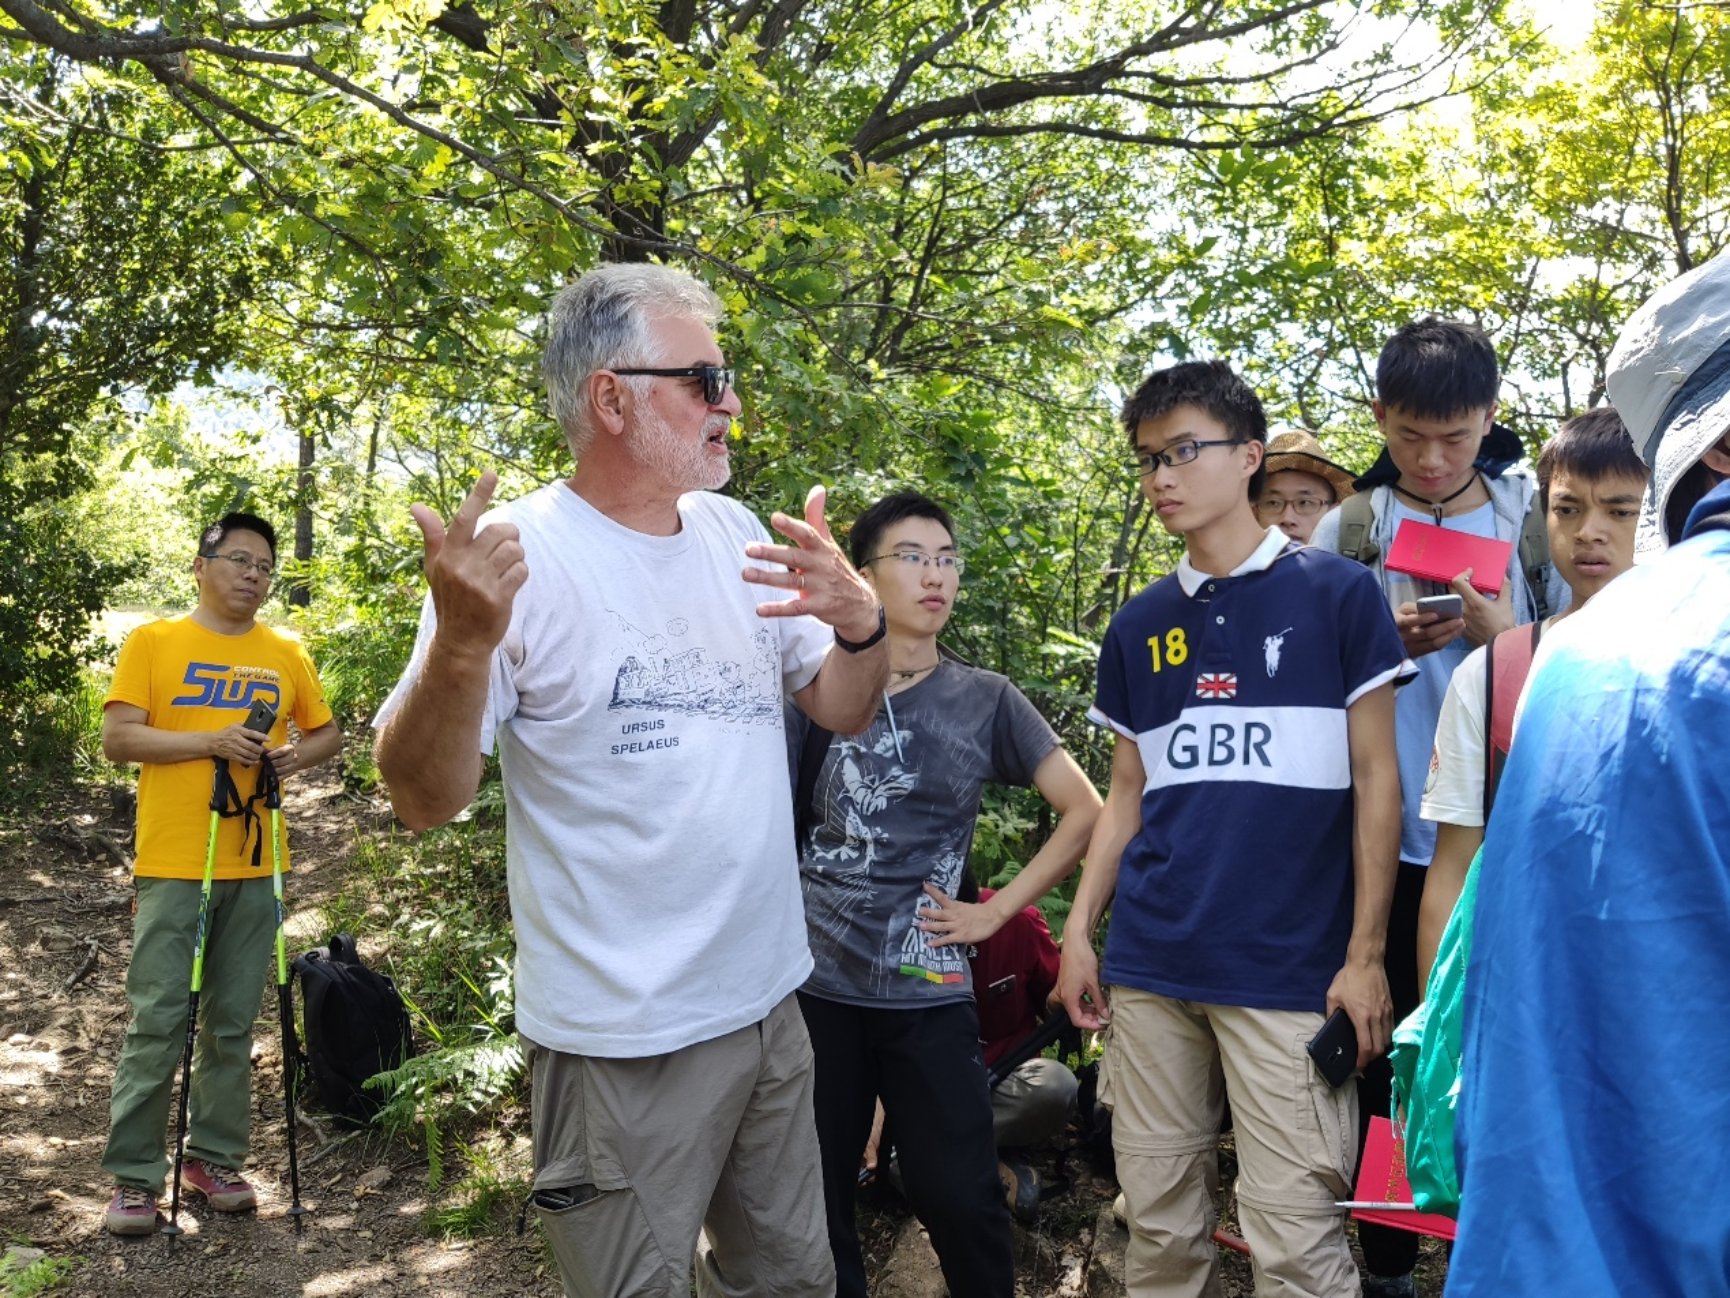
[
  {"x": 1590, "y": 482},
  {"x": 181, "y": 695},
  {"x": 1446, "y": 463}
]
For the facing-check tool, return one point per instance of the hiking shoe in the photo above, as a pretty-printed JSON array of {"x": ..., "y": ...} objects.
[
  {"x": 131, "y": 1212},
  {"x": 1389, "y": 1286},
  {"x": 1120, "y": 1212},
  {"x": 1020, "y": 1188},
  {"x": 223, "y": 1188}
]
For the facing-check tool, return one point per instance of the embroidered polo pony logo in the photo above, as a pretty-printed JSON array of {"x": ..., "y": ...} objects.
[{"x": 1271, "y": 648}]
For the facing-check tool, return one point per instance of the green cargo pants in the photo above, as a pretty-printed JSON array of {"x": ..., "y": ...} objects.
[{"x": 237, "y": 953}]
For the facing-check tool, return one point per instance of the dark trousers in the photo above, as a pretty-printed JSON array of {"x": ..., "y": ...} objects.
[
  {"x": 926, "y": 1066},
  {"x": 1387, "y": 1251}
]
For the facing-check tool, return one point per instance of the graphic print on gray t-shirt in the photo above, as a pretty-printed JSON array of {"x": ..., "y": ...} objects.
[
  {"x": 894, "y": 808},
  {"x": 660, "y": 672}
]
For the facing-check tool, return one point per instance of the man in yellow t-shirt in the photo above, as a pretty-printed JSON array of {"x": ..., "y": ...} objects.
[{"x": 182, "y": 691}]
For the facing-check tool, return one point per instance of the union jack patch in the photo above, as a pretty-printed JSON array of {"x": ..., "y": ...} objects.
[{"x": 1216, "y": 685}]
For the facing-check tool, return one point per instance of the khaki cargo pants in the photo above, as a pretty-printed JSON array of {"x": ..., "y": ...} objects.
[
  {"x": 1168, "y": 1066},
  {"x": 717, "y": 1137}
]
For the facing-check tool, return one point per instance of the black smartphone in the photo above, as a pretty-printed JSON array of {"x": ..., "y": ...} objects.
[
  {"x": 1335, "y": 1049},
  {"x": 569, "y": 1196},
  {"x": 261, "y": 718}
]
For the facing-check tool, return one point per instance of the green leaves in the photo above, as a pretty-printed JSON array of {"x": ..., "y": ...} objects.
[{"x": 400, "y": 16}]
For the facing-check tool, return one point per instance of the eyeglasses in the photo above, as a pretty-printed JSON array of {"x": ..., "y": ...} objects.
[
  {"x": 716, "y": 378},
  {"x": 240, "y": 559},
  {"x": 946, "y": 563},
  {"x": 1175, "y": 454},
  {"x": 1271, "y": 507}
]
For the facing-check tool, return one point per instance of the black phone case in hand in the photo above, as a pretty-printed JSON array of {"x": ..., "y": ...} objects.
[
  {"x": 1335, "y": 1049},
  {"x": 261, "y": 718}
]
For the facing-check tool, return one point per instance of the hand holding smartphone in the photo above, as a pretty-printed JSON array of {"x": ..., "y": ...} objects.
[
  {"x": 261, "y": 718},
  {"x": 1335, "y": 1047},
  {"x": 1448, "y": 607}
]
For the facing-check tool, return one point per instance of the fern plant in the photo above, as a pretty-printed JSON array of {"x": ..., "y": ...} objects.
[{"x": 433, "y": 1093}]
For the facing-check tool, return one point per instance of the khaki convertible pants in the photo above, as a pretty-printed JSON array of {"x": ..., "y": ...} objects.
[
  {"x": 1168, "y": 1065},
  {"x": 717, "y": 1136}
]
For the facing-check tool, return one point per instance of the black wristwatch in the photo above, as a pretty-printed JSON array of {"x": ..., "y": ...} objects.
[{"x": 859, "y": 646}]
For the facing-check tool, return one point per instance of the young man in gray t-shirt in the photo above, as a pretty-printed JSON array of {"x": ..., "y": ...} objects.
[{"x": 889, "y": 1004}]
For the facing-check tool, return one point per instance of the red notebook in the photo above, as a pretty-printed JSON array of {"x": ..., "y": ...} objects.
[
  {"x": 1382, "y": 1182},
  {"x": 1440, "y": 554}
]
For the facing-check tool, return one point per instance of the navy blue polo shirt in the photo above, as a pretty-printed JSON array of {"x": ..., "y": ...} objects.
[{"x": 1237, "y": 889}]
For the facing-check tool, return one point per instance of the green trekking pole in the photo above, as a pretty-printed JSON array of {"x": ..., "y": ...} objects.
[
  {"x": 218, "y": 800},
  {"x": 284, "y": 989}
]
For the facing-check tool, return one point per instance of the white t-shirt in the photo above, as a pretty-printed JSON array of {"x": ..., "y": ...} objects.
[
  {"x": 636, "y": 702},
  {"x": 1454, "y": 788}
]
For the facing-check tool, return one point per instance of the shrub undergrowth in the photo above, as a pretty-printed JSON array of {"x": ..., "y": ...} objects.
[
  {"x": 44, "y": 1275},
  {"x": 440, "y": 903}
]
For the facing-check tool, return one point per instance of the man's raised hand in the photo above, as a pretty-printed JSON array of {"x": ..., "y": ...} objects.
[
  {"x": 474, "y": 575},
  {"x": 828, "y": 587}
]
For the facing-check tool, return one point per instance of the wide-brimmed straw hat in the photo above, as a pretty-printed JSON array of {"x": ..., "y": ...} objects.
[{"x": 1301, "y": 451}]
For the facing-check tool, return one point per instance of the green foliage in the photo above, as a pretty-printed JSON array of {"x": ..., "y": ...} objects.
[
  {"x": 447, "y": 1088},
  {"x": 44, "y": 1275},
  {"x": 53, "y": 738},
  {"x": 440, "y": 901},
  {"x": 54, "y": 588},
  {"x": 359, "y": 635},
  {"x": 482, "y": 1199},
  {"x": 108, "y": 286}
]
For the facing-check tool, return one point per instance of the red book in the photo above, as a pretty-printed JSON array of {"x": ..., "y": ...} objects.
[
  {"x": 1382, "y": 1181},
  {"x": 1439, "y": 554}
]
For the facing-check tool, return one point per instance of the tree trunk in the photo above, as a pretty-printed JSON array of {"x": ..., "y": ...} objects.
[{"x": 300, "y": 594}]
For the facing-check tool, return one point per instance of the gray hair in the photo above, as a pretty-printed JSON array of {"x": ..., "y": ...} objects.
[{"x": 601, "y": 321}]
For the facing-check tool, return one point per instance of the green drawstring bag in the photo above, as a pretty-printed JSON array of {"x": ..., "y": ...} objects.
[{"x": 1426, "y": 1062}]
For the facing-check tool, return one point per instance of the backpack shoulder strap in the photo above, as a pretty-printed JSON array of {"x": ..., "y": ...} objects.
[
  {"x": 1508, "y": 661},
  {"x": 811, "y": 755},
  {"x": 1534, "y": 551},
  {"x": 1357, "y": 519},
  {"x": 1492, "y": 766}
]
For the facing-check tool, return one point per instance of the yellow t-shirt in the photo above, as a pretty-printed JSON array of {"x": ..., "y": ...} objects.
[{"x": 188, "y": 678}]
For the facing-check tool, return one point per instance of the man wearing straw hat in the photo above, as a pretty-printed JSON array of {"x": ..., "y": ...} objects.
[{"x": 1302, "y": 485}]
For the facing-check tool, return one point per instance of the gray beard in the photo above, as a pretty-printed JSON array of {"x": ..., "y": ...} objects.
[{"x": 687, "y": 465}]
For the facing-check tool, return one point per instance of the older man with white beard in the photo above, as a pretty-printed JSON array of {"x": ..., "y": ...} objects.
[{"x": 601, "y": 632}]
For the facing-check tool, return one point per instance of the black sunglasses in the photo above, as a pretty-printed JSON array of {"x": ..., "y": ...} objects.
[{"x": 716, "y": 378}]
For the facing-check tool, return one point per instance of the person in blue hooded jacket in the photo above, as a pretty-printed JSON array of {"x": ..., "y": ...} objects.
[{"x": 1593, "y": 1133}]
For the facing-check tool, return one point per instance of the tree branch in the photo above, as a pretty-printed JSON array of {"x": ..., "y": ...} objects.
[{"x": 884, "y": 125}]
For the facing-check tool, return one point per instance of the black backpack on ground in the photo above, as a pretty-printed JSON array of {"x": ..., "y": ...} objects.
[{"x": 356, "y": 1026}]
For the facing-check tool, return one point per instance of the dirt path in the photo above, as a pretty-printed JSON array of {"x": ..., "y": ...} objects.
[{"x": 65, "y": 910}]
